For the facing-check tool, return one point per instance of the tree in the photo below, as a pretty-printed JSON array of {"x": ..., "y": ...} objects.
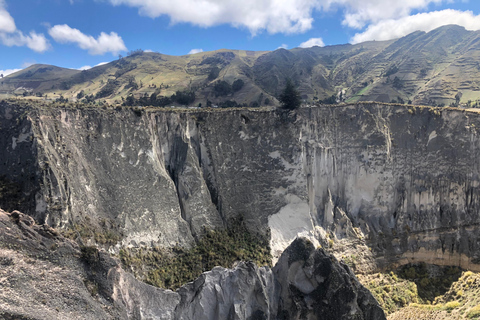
[
  {"x": 183, "y": 97},
  {"x": 130, "y": 101},
  {"x": 290, "y": 97},
  {"x": 80, "y": 95},
  {"x": 458, "y": 96}
]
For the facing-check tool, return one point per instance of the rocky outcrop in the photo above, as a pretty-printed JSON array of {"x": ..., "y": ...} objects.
[
  {"x": 306, "y": 283},
  {"x": 395, "y": 183},
  {"x": 45, "y": 276},
  {"x": 42, "y": 275}
]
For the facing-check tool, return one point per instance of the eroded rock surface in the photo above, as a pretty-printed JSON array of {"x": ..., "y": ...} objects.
[
  {"x": 45, "y": 276},
  {"x": 396, "y": 183}
]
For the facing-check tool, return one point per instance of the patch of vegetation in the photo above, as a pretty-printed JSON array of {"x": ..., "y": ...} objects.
[
  {"x": 214, "y": 72},
  {"x": 80, "y": 95},
  {"x": 108, "y": 89},
  {"x": 222, "y": 88},
  {"x": 392, "y": 70},
  {"x": 124, "y": 66},
  {"x": 449, "y": 306},
  {"x": 90, "y": 255},
  {"x": 397, "y": 83},
  {"x": 474, "y": 313},
  {"x": 180, "y": 97},
  {"x": 237, "y": 85},
  {"x": 391, "y": 292},
  {"x": 430, "y": 286},
  {"x": 183, "y": 97},
  {"x": 11, "y": 195},
  {"x": 104, "y": 234},
  {"x": 131, "y": 83},
  {"x": 171, "y": 268},
  {"x": 92, "y": 287},
  {"x": 330, "y": 100},
  {"x": 461, "y": 301},
  {"x": 231, "y": 104},
  {"x": 66, "y": 85}
]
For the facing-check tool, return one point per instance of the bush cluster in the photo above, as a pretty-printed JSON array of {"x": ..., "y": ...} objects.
[{"x": 171, "y": 268}]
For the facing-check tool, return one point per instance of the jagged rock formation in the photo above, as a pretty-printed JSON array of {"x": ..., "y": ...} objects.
[
  {"x": 45, "y": 276},
  {"x": 395, "y": 183}
]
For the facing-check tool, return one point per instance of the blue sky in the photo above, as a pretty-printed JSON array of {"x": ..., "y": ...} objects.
[{"x": 84, "y": 33}]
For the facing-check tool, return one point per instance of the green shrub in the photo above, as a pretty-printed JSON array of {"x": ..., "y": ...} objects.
[
  {"x": 101, "y": 234},
  {"x": 449, "y": 306},
  {"x": 90, "y": 255},
  {"x": 393, "y": 294},
  {"x": 474, "y": 313}
]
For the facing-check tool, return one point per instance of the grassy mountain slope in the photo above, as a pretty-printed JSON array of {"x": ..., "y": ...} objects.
[{"x": 424, "y": 68}]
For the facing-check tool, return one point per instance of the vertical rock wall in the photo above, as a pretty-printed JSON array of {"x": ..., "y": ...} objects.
[{"x": 400, "y": 180}]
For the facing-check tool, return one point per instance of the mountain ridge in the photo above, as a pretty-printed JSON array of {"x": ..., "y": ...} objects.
[{"x": 429, "y": 68}]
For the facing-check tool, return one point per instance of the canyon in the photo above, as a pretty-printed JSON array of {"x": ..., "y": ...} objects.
[{"x": 380, "y": 184}]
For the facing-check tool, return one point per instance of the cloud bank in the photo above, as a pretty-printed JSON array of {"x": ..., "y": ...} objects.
[
  {"x": 275, "y": 16},
  {"x": 378, "y": 19},
  {"x": 112, "y": 42}
]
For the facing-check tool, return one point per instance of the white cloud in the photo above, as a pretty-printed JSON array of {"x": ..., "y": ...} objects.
[
  {"x": 7, "y": 24},
  {"x": 193, "y": 51},
  {"x": 283, "y": 46},
  {"x": 275, "y": 16},
  {"x": 90, "y": 67},
  {"x": 360, "y": 13},
  {"x": 148, "y": 50},
  {"x": 8, "y": 71},
  {"x": 312, "y": 42},
  {"x": 104, "y": 43},
  {"x": 392, "y": 29},
  {"x": 35, "y": 41},
  {"x": 10, "y": 36}
]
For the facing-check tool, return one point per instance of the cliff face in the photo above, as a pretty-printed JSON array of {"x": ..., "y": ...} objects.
[
  {"x": 45, "y": 276},
  {"x": 402, "y": 181}
]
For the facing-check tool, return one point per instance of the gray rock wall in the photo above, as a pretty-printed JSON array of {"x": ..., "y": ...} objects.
[
  {"x": 46, "y": 276},
  {"x": 399, "y": 180}
]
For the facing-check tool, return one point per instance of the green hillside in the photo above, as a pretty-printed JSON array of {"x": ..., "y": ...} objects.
[{"x": 435, "y": 68}]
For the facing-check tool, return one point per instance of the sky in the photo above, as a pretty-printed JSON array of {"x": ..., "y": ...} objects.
[{"x": 80, "y": 34}]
